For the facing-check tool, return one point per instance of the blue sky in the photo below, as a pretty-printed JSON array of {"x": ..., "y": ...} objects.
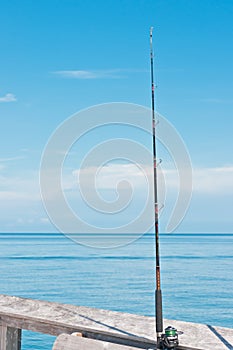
[{"x": 58, "y": 57}]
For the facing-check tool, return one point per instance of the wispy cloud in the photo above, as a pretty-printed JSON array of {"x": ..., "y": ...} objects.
[
  {"x": 216, "y": 100},
  {"x": 20, "y": 196},
  {"x": 10, "y": 159},
  {"x": 12, "y": 196},
  {"x": 8, "y": 98},
  {"x": 17, "y": 185},
  {"x": 206, "y": 181},
  {"x": 110, "y": 175},
  {"x": 4, "y": 161},
  {"x": 96, "y": 74},
  {"x": 212, "y": 181}
]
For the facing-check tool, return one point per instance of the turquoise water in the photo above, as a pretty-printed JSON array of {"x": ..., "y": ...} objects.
[{"x": 197, "y": 278}]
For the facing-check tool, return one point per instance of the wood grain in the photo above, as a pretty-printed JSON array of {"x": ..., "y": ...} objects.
[
  {"x": 72, "y": 342},
  {"x": 116, "y": 327}
]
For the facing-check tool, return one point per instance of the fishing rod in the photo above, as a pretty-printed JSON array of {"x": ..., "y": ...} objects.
[
  {"x": 168, "y": 340},
  {"x": 158, "y": 292}
]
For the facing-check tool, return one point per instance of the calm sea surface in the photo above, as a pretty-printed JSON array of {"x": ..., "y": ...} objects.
[{"x": 197, "y": 276}]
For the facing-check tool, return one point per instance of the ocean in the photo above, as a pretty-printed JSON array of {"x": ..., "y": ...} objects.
[{"x": 197, "y": 277}]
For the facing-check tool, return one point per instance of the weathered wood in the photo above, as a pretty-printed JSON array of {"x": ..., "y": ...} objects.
[
  {"x": 72, "y": 342},
  {"x": 116, "y": 327},
  {"x": 10, "y": 338},
  {"x": 54, "y": 319}
]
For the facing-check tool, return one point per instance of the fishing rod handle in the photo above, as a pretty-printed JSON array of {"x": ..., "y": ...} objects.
[{"x": 159, "y": 311}]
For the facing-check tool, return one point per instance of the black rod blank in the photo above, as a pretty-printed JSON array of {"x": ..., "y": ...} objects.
[{"x": 158, "y": 292}]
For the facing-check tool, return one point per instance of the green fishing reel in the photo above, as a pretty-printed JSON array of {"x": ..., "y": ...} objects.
[{"x": 169, "y": 340}]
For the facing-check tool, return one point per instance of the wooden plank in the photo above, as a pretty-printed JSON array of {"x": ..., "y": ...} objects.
[
  {"x": 13, "y": 338},
  {"x": 116, "y": 327},
  {"x": 3, "y": 330},
  {"x": 10, "y": 338},
  {"x": 54, "y": 318},
  {"x": 72, "y": 342}
]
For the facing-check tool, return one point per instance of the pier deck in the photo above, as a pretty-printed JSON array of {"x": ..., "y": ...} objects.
[{"x": 117, "y": 327}]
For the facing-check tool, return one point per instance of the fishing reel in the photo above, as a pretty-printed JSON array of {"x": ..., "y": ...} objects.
[{"x": 169, "y": 340}]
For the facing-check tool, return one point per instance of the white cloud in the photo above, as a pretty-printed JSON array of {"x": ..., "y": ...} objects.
[
  {"x": 20, "y": 196},
  {"x": 77, "y": 74},
  {"x": 108, "y": 176},
  {"x": 212, "y": 181},
  {"x": 16, "y": 188},
  {"x": 3, "y": 161},
  {"x": 8, "y": 98},
  {"x": 216, "y": 100},
  {"x": 95, "y": 74},
  {"x": 13, "y": 195},
  {"x": 44, "y": 220},
  {"x": 206, "y": 181},
  {"x": 88, "y": 74},
  {"x": 25, "y": 221},
  {"x": 9, "y": 159}
]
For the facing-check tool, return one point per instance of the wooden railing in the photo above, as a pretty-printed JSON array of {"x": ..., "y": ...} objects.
[
  {"x": 114, "y": 327},
  {"x": 54, "y": 318}
]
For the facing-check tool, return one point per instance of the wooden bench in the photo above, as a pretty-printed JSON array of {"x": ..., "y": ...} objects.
[{"x": 72, "y": 342}]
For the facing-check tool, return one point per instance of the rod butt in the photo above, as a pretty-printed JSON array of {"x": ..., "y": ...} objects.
[{"x": 159, "y": 311}]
